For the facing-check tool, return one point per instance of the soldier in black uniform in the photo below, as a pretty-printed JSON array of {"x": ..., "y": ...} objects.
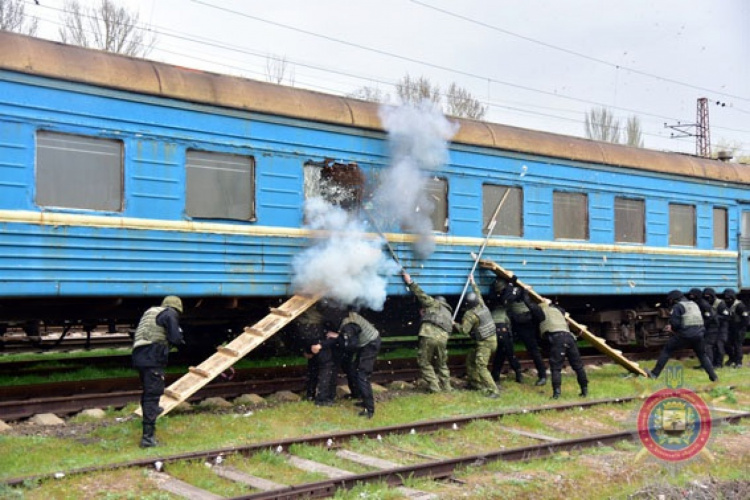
[
  {"x": 158, "y": 329},
  {"x": 554, "y": 326},
  {"x": 686, "y": 325},
  {"x": 360, "y": 337},
  {"x": 716, "y": 330},
  {"x": 710, "y": 321},
  {"x": 330, "y": 353},
  {"x": 310, "y": 332},
  {"x": 524, "y": 326},
  {"x": 738, "y": 321},
  {"x": 505, "y": 349}
]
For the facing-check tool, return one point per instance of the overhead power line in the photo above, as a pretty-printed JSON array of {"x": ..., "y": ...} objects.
[{"x": 573, "y": 52}]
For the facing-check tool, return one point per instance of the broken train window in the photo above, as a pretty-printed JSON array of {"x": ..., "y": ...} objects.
[
  {"x": 436, "y": 192},
  {"x": 341, "y": 184}
]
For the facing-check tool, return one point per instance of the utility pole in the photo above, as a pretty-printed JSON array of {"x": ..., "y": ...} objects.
[
  {"x": 703, "y": 133},
  {"x": 700, "y": 129}
]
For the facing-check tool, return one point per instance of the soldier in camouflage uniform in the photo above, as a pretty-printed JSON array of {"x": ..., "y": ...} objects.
[
  {"x": 437, "y": 323},
  {"x": 477, "y": 322}
]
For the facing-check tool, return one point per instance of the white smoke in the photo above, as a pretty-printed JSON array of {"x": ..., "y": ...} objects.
[
  {"x": 345, "y": 264},
  {"x": 418, "y": 138}
]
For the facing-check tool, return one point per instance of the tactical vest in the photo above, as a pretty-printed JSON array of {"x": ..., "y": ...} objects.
[
  {"x": 554, "y": 321},
  {"x": 311, "y": 317},
  {"x": 368, "y": 332},
  {"x": 715, "y": 305},
  {"x": 439, "y": 316},
  {"x": 519, "y": 311},
  {"x": 500, "y": 315},
  {"x": 148, "y": 332},
  {"x": 692, "y": 316},
  {"x": 736, "y": 318},
  {"x": 486, "y": 328}
]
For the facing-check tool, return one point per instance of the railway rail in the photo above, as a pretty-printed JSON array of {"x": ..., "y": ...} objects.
[
  {"x": 393, "y": 474},
  {"x": 63, "y": 398}
]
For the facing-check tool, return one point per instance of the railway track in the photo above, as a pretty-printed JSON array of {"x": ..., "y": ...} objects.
[
  {"x": 224, "y": 461},
  {"x": 64, "y": 398}
]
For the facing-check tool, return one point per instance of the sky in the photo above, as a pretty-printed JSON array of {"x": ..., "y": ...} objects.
[{"x": 536, "y": 64}]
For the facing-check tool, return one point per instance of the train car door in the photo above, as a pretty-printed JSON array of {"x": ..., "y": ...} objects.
[{"x": 744, "y": 249}]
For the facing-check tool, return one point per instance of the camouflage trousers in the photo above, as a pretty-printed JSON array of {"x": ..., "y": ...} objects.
[
  {"x": 432, "y": 359},
  {"x": 477, "y": 361}
]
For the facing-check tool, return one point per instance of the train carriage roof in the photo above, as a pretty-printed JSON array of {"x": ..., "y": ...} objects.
[{"x": 40, "y": 57}]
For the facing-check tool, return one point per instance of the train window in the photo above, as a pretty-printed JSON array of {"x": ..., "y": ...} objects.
[
  {"x": 436, "y": 191},
  {"x": 681, "y": 225},
  {"x": 340, "y": 184},
  {"x": 720, "y": 228},
  {"x": 571, "y": 216},
  {"x": 74, "y": 171},
  {"x": 220, "y": 186},
  {"x": 630, "y": 220},
  {"x": 509, "y": 220}
]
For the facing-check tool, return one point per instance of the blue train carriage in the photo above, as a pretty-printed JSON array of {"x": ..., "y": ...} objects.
[{"x": 123, "y": 179}]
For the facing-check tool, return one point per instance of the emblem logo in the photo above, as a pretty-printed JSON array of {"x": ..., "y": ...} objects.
[{"x": 674, "y": 424}]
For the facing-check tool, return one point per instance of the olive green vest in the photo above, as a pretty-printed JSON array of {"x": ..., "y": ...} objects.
[
  {"x": 500, "y": 315},
  {"x": 692, "y": 316},
  {"x": 554, "y": 321},
  {"x": 736, "y": 318},
  {"x": 518, "y": 307},
  {"x": 148, "y": 332},
  {"x": 439, "y": 316},
  {"x": 486, "y": 328},
  {"x": 368, "y": 333}
]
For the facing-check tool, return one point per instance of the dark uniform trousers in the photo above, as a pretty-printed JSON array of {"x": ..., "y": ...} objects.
[
  {"x": 714, "y": 346},
  {"x": 349, "y": 367},
  {"x": 504, "y": 351},
  {"x": 365, "y": 364},
  {"x": 152, "y": 381},
  {"x": 563, "y": 345},
  {"x": 526, "y": 331},
  {"x": 736, "y": 339},
  {"x": 675, "y": 343},
  {"x": 311, "y": 381},
  {"x": 329, "y": 360}
]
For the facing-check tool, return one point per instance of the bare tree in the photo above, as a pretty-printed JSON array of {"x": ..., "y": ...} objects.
[
  {"x": 633, "y": 132},
  {"x": 415, "y": 90},
  {"x": 13, "y": 18},
  {"x": 107, "y": 27},
  {"x": 277, "y": 68},
  {"x": 460, "y": 103},
  {"x": 368, "y": 93},
  {"x": 601, "y": 125}
]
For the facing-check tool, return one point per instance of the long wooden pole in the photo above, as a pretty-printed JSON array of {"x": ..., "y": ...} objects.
[{"x": 490, "y": 228}]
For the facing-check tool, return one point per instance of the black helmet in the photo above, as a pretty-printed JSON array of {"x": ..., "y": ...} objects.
[
  {"x": 694, "y": 293},
  {"x": 472, "y": 299},
  {"x": 710, "y": 293},
  {"x": 444, "y": 302},
  {"x": 729, "y": 293},
  {"x": 675, "y": 296}
]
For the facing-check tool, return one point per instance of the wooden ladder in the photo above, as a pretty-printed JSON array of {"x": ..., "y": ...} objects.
[
  {"x": 226, "y": 356},
  {"x": 575, "y": 327}
]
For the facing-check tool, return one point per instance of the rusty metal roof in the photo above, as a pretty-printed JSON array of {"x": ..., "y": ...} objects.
[{"x": 40, "y": 57}]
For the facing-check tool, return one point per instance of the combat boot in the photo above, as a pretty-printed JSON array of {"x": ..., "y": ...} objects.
[
  {"x": 519, "y": 376},
  {"x": 556, "y": 393},
  {"x": 584, "y": 391},
  {"x": 541, "y": 381},
  {"x": 148, "y": 440}
]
